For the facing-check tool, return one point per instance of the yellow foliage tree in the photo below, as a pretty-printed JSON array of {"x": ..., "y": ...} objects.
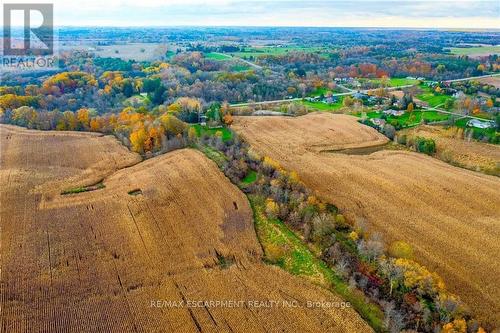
[
  {"x": 294, "y": 177},
  {"x": 137, "y": 139},
  {"x": 83, "y": 117},
  {"x": 95, "y": 125},
  {"x": 272, "y": 208},
  {"x": 410, "y": 107},
  {"x": 354, "y": 235},
  {"x": 401, "y": 249},
  {"x": 269, "y": 162},
  {"x": 456, "y": 326},
  {"x": 228, "y": 119},
  {"x": 419, "y": 278},
  {"x": 172, "y": 125},
  {"x": 192, "y": 135},
  {"x": 489, "y": 103}
]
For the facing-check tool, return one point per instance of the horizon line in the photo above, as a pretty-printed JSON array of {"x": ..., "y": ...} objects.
[{"x": 269, "y": 26}]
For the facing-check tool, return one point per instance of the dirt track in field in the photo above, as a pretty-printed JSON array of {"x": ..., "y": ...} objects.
[
  {"x": 451, "y": 216},
  {"x": 95, "y": 261}
]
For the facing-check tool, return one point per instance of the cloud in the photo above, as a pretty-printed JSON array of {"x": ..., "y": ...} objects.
[{"x": 362, "y": 13}]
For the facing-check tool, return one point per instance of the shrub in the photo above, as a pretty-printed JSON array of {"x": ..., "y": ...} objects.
[
  {"x": 426, "y": 146},
  {"x": 400, "y": 249},
  {"x": 274, "y": 253},
  {"x": 402, "y": 139},
  {"x": 389, "y": 131},
  {"x": 341, "y": 222},
  {"x": 353, "y": 235},
  {"x": 272, "y": 208},
  {"x": 323, "y": 225}
]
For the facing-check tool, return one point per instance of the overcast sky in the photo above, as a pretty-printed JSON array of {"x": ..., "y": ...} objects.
[{"x": 332, "y": 13}]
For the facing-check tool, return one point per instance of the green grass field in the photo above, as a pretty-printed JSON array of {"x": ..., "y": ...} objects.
[
  {"x": 137, "y": 99},
  {"x": 240, "y": 68},
  {"x": 483, "y": 50},
  {"x": 319, "y": 106},
  {"x": 200, "y": 130},
  {"x": 397, "y": 82},
  {"x": 217, "y": 56},
  {"x": 407, "y": 120},
  {"x": 262, "y": 51},
  {"x": 323, "y": 91},
  {"x": 432, "y": 99}
]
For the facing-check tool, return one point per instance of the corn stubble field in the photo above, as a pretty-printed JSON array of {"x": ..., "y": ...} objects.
[
  {"x": 94, "y": 261},
  {"x": 451, "y": 216}
]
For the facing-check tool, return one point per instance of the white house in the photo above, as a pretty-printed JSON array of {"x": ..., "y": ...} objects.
[
  {"x": 378, "y": 121},
  {"x": 395, "y": 113},
  {"x": 480, "y": 124}
]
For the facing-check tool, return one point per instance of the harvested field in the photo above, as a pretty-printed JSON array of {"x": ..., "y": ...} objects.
[
  {"x": 451, "y": 148},
  {"x": 314, "y": 132},
  {"x": 172, "y": 228},
  {"x": 451, "y": 216},
  {"x": 494, "y": 81}
]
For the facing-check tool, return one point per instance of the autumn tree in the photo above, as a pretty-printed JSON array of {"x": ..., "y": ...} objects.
[
  {"x": 172, "y": 125},
  {"x": 348, "y": 101},
  {"x": 489, "y": 103},
  {"x": 24, "y": 116},
  {"x": 272, "y": 208},
  {"x": 138, "y": 138},
  {"x": 410, "y": 108},
  {"x": 401, "y": 249},
  {"x": 83, "y": 117},
  {"x": 228, "y": 119},
  {"x": 95, "y": 125},
  {"x": 192, "y": 135}
]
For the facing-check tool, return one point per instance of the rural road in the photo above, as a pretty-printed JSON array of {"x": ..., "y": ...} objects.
[
  {"x": 351, "y": 92},
  {"x": 472, "y": 78},
  {"x": 452, "y": 113},
  {"x": 251, "y": 64}
]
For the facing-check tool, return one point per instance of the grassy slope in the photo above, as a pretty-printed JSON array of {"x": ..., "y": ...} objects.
[
  {"x": 405, "y": 120},
  {"x": 324, "y": 107},
  {"x": 200, "y": 130},
  {"x": 217, "y": 56},
  {"x": 397, "y": 82},
  {"x": 298, "y": 259}
]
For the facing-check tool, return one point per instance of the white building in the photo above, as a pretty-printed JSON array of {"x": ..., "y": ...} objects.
[{"x": 480, "y": 124}]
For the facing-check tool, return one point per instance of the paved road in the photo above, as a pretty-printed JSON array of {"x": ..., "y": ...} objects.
[
  {"x": 267, "y": 102},
  {"x": 351, "y": 92},
  {"x": 452, "y": 113},
  {"x": 473, "y": 78},
  {"x": 389, "y": 88},
  {"x": 344, "y": 87}
]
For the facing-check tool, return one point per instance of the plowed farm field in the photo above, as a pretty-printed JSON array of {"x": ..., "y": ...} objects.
[
  {"x": 450, "y": 215},
  {"x": 139, "y": 251}
]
